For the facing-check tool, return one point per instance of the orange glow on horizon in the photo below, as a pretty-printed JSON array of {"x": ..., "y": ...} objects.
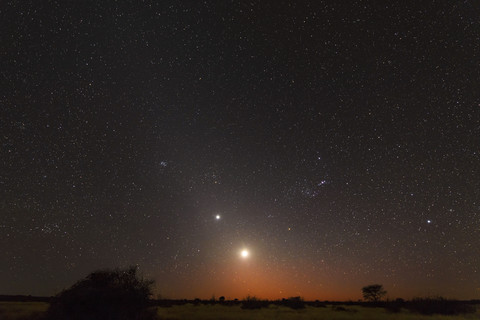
[{"x": 253, "y": 276}]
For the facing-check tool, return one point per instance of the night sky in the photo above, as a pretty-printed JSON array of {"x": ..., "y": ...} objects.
[{"x": 338, "y": 142}]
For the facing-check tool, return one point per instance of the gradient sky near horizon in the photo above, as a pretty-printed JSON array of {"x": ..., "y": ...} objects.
[{"x": 337, "y": 141}]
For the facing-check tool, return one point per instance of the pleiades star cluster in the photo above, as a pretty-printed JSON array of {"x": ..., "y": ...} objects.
[{"x": 234, "y": 148}]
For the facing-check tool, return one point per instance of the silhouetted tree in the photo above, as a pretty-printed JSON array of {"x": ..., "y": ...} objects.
[
  {"x": 373, "y": 292},
  {"x": 109, "y": 294},
  {"x": 221, "y": 299}
]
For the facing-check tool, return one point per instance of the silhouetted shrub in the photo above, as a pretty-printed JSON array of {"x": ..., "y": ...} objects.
[
  {"x": 294, "y": 303},
  {"x": 318, "y": 304},
  {"x": 394, "y": 306},
  {"x": 117, "y": 294},
  {"x": 439, "y": 305},
  {"x": 221, "y": 299},
  {"x": 337, "y": 308},
  {"x": 254, "y": 303}
]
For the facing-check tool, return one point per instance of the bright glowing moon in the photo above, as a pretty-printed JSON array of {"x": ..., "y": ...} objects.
[
  {"x": 244, "y": 253},
  {"x": 217, "y": 217}
]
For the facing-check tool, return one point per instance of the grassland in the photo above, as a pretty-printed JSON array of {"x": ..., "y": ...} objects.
[
  {"x": 22, "y": 310},
  {"x": 35, "y": 310},
  {"x": 207, "y": 312}
]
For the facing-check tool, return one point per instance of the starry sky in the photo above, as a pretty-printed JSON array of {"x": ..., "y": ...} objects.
[{"x": 337, "y": 142}]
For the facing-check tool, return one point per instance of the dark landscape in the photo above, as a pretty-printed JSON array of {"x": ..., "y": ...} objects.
[{"x": 124, "y": 294}]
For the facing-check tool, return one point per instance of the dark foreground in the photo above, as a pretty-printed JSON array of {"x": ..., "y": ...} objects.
[{"x": 35, "y": 310}]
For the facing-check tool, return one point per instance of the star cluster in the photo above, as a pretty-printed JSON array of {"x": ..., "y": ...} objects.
[{"x": 336, "y": 144}]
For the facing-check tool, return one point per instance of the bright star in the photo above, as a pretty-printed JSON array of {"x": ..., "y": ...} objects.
[
  {"x": 244, "y": 253},
  {"x": 217, "y": 217}
]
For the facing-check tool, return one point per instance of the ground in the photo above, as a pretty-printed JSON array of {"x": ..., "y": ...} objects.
[{"x": 34, "y": 310}]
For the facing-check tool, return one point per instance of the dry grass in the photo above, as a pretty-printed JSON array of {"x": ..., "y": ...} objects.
[
  {"x": 34, "y": 310},
  {"x": 207, "y": 312},
  {"x": 22, "y": 310}
]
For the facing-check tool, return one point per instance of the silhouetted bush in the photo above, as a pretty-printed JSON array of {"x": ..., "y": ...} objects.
[
  {"x": 337, "y": 308},
  {"x": 117, "y": 294},
  {"x": 439, "y": 305},
  {"x": 317, "y": 304},
  {"x": 293, "y": 302},
  {"x": 212, "y": 300},
  {"x": 254, "y": 303},
  {"x": 394, "y": 306}
]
